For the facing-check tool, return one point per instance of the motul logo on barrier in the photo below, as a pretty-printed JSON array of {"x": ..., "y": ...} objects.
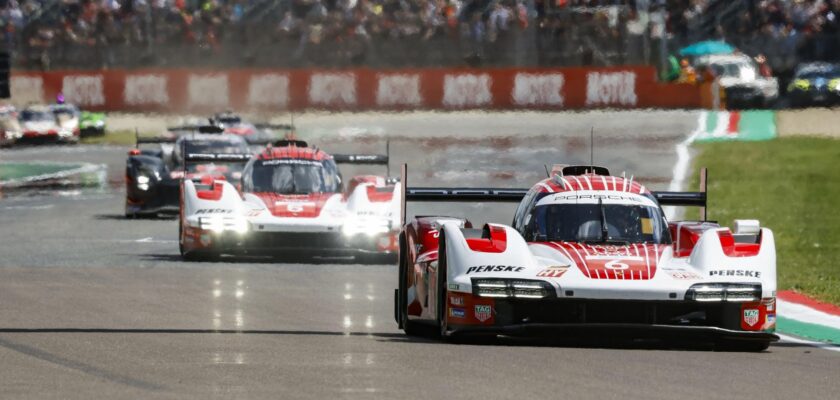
[
  {"x": 467, "y": 90},
  {"x": 84, "y": 90},
  {"x": 269, "y": 90},
  {"x": 398, "y": 90},
  {"x": 332, "y": 89},
  {"x": 27, "y": 89},
  {"x": 208, "y": 90},
  {"x": 611, "y": 88},
  {"x": 145, "y": 89},
  {"x": 538, "y": 89}
]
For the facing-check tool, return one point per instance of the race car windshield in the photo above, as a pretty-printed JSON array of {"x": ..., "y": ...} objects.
[
  {"x": 625, "y": 224},
  {"x": 288, "y": 177},
  {"x": 32, "y": 115}
]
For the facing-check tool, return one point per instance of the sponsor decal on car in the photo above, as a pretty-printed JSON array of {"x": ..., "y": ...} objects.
[
  {"x": 493, "y": 268},
  {"x": 684, "y": 275},
  {"x": 483, "y": 312},
  {"x": 213, "y": 211},
  {"x": 751, "y": 316},
  {"x": 456, "y": 301},
  {"x": 736, "y": 272},
  {"x": 457, "y": 313},
  {"x": 554, "y": 271}
]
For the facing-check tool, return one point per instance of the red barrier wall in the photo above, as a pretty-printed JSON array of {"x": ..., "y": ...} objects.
[{"x": 183, "y": 90}]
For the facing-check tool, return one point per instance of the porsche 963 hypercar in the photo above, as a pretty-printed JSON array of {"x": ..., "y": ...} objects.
[
  {"x": 292, "y": 201},
  {"x": 586, "y": 251}
]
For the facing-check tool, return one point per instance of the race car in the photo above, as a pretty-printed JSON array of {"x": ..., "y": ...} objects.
[
  {"x": 9, "y": 125},
  {"x": 153, "y": 177},
  {"x": 92, "y": 123},
  {"x": 46, "y": 123},
  {"x": 255, "y": 133},
  {"x": 587, "y": 253},
  {"x": 293, "y": 202}
]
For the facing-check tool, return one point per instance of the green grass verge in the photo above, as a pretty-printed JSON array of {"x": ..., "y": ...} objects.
[
  {"x": 791, "y": 185},
  {"x": 122, "y": 138}
]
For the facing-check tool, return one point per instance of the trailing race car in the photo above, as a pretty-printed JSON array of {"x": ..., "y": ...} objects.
[
  {"x": 92, "y": 123},
  {"x": 40, "y": 124},
  {"x": 587, "y": 253},
  {"x": 9, "y": 125},
  {"x": 292, "y": 201},
  {"x": 254, "y": 133},
  {"x": 153, "y": 177}
]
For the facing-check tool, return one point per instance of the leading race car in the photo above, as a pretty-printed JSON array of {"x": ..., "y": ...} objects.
[
  {"x": 587, "y": 252},
  {"x": 293, "y": 201},
  {"x": 153, "y": 177}
]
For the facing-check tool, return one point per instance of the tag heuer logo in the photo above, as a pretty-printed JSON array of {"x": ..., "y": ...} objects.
[
  {"x": 483, "y": 312},
  {"x": 751, "y": 316}
]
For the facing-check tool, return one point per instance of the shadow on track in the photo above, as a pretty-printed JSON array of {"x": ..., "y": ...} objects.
[
  {"x": 287, "y": 259},
  {"x": 122, "y": 217}
]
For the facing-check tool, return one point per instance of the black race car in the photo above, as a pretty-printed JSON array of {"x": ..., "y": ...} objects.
[{"x": 153, "y": 176}]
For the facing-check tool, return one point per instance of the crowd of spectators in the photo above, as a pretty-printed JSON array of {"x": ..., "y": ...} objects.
[{"x": 523, "y": 32}]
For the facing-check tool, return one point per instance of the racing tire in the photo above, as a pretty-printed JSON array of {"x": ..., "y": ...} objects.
[
  {"x": 442, "y": 288},
  {"x": 408, "y": 326},
  {"x": 741, "y": 346}
]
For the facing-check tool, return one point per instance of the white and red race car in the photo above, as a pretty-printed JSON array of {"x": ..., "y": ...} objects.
[
  {"x": 587, "y": 253},
  {"x": 292, "y": 200}
]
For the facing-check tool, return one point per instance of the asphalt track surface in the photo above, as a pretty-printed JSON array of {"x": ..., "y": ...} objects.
[{"x": 96, "y": 306}]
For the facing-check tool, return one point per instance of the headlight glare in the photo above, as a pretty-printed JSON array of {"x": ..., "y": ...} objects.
[
  {"x": 733, "y": 292},
  {"x": 516, "y": 288},
  {"x": 221, "y": 224}
]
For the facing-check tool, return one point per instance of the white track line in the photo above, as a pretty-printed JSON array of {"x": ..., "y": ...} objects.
[
  {"x": 820, "y": 345},
  {"x": 680, "y": 171}
]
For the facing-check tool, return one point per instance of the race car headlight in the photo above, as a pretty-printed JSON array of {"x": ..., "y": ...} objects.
[
  {"x": 368, "y": 227},
  {"x": 735, "y": 292},
  {"x": 222, "y": 224},
  {"x": 143, "y": 182},
  {"x": 515, "y": 288}
]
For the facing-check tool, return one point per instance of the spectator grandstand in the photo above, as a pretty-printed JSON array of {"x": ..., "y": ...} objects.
[{"x": 50, "y": 34}]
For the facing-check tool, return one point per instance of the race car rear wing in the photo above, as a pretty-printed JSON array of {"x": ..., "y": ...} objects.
[
  {"x": 687, "y": 199},
  {"x": 441, "y": 194},
  {"x": 513, "y": 195},
  {"x": 217, "y": 157}
]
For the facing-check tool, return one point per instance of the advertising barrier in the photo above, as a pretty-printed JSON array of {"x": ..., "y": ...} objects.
[{"x": 186, "y": 90}]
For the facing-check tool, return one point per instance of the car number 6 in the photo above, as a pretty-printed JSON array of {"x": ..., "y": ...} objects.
[{"x": 616, "y": 264}]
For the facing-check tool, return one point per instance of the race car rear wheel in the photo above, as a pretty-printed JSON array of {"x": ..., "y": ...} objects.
[
  {"x": 410, "y": 327},
  {"x": 442, "y": 288}
]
